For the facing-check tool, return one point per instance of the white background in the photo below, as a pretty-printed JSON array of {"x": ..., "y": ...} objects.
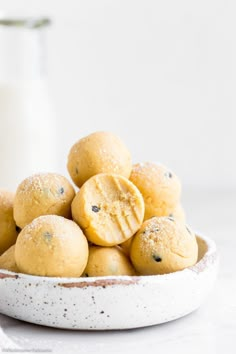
[{"x": 161, "y": 74}]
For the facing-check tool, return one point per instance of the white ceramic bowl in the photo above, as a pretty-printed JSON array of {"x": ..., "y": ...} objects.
[{"x": 109, "y": 302}]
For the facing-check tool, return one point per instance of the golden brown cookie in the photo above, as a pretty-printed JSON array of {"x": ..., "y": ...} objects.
[
  {"x": 104, "y": 261},
  {"x": 42, "y": 194},
  {"x": 126, "y": 246},
  {"x": 109, "y": 208},
  {"x": 7, "y": 260},
  {"x": 8, "y": 229},
  {"x": 100, "y": 152},
  {"x": 52, "y": 246},
  {"x": 159, "y": 187},
  {"x": 178, "y": 213},
  {"x": 163, "y": 245}
]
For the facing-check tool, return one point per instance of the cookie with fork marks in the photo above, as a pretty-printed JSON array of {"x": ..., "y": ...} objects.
[{"x": 109, "y": 208}]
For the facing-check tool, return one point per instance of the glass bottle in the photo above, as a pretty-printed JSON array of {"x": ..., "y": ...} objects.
[{"x": 27, "y": 128}]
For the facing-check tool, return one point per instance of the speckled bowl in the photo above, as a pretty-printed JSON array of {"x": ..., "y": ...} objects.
[{"x": 109, "y": 302}]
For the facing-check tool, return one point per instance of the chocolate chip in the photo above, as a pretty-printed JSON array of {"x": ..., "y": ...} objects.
[
  {"x": 95, "y": 209},
  {"x": 188, "y": 230},
  {"x": 86, "y": 275},
  {"x": 169, "y": 174},
  {"x": 61, "y": 190},
  {"x": 156, "y": 258},
  {"x": 47, "y": 235},
  {"x": 18, "y": 228},
  {"x": 155, "y": 229}
]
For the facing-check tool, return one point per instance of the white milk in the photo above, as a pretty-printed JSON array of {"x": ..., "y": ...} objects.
[
  {"x": 27, "y": 127},
  {"x": 27, "y": 131}
]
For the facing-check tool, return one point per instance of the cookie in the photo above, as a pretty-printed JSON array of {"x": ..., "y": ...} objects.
[
  {"x": 178, "y": 213},
  {"x": 51, "y": 246},
  {"x": 8, "y": 229},
  {"x": 159, "y": 187},
  {"x": 126, "y": 246},
  {"x": 163, "y": 245},
  {"x": 104, "y": 261},
  {"x": 7, "y": 260},
  {"x": 109, "y": 208},
  {"x": 100, "y": 152},
  {"x": 42, "y": 194}
]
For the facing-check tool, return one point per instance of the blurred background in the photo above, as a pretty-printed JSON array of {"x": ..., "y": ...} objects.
[{"x": 161, "y": 75}]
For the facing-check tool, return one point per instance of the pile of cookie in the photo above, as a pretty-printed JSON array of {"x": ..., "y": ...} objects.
[{"x": 123, "y": 219}]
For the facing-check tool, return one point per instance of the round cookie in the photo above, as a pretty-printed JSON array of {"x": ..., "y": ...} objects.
[
  {"x": 7, "y": 260},
  {"x": 100, "y": 152},
  {"x": 159, "y": 187},
  {"x": 178, "y": 213},
  {"x": 109, "y": 208},
  {"x": 42, "y": 194},
  {"x": 126, "y": 246},
  {"x": 104, "y": 261},
  {"x": 163, "y": 245},
  {"x": 52, "y": 246},
  {"x": 8, "y": 229}
]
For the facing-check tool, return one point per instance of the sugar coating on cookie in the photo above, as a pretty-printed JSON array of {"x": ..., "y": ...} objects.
[
  {"x": 42, "y": 194},
  {"x": 177, "y": 213},
  {"x": 159, "y": 187},
  {"x": 8, "y": 229},
  {"x": 52, "y": 246},
  {"x": 100, "y": 152},
  {"x": 7, "y": 260},
  {"x": 104, "y": 261},
  {"x": 109, "y": 208},
  {"x": 163, "y": 245}
]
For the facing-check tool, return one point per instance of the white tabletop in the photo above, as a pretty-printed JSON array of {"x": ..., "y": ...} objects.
[{"x": 210, "y": 329}]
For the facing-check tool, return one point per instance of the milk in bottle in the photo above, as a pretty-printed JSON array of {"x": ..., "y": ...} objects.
[{"x": 27, "y": 126}]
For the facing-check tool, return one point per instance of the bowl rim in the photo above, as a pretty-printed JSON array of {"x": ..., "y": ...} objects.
[{"x": 209, "y": 259}]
